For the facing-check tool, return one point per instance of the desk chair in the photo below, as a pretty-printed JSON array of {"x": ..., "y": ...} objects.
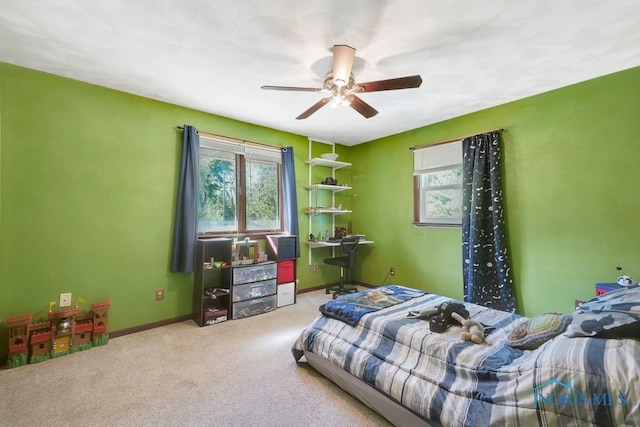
[{"x": 346, "y": 261}]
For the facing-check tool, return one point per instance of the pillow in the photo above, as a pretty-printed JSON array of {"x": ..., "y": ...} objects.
[
  {"x": 534, "y": 332},
  {"x": 615, "y": 314}
]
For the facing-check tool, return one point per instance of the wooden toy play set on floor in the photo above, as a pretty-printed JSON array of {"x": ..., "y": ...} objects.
[{"x": 66, "y": 331}]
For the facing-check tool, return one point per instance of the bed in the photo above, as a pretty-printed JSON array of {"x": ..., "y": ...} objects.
[{"x": 554, "y": 369}]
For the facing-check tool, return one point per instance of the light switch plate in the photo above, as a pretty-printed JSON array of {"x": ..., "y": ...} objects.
[{"x": 65, "y": 300}]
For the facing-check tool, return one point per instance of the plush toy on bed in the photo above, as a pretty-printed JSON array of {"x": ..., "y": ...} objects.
[
  {"x": 448, "y": 313},
  {"x": 441, "y": 317},
  {"x": 626, "y": 281},
  {"x": 471, "y": 330}
]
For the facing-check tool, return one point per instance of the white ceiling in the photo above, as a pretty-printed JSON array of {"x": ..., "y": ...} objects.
[{"x": 213, "y": 55}]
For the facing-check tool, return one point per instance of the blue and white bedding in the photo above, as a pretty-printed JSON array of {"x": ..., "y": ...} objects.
[
  {"x": 565, "y": 381},
  {"x": 351, "y": 307}
]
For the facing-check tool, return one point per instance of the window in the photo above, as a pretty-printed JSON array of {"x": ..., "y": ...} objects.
[
  {"x": 240, "y": 188},
  {"x": 437, "y": 177}
]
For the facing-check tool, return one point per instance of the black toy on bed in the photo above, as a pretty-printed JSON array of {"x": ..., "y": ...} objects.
[{"x": 441, "y": 318}]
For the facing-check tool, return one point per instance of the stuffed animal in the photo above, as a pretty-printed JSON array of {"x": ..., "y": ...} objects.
[
  {"x": 626, "y": 281},
  {"x": 441, "y": 317},
  {"x": 448, "y": 313},
  {"x": 471, "y": 330}
]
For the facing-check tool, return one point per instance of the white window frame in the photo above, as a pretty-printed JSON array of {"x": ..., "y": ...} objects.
[{"x": 436, "y": 158}]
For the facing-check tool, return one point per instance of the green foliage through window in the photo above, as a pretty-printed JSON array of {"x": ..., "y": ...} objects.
[
  {"x": 238, "y": 194},
  {"x": 262, "y": 195},
  {"x": 217, "y": 194},
  {"x": 442, "y": 197}
]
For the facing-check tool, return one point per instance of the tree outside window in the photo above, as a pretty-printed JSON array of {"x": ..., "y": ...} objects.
[{"x": 240, "y": 189}]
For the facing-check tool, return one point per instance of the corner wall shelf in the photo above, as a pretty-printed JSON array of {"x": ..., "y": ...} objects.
[
  {"x": 313, "y": 208},
  {"x": 327, "y": 210},
  {"x": 327, "y": 163},
  {"x": 314, "y": 189},
  {"x": 334, "y": 188}
]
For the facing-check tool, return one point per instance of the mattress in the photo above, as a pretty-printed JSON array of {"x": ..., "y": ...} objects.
[{"x": 448, "y": 381}]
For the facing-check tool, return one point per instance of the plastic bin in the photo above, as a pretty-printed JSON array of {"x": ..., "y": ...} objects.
[
  {"x": 254, "y": 290},
  {"x": 254, "y": 273},
  {"x": 286, "y": 294},
  {"x": 286, "y": 271},
  {"x": 254, "y": 307}
]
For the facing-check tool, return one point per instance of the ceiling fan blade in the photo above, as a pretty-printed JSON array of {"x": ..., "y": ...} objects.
[
  {"x": 315, "y": 107},
  {"x": 293, "y": 88},
  {"x": 362, "y": 107},
  {"x": 343, "y": 57},
  {"x": 392, "y": 84}
]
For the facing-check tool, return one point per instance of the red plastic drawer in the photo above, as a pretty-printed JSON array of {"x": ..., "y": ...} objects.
[{"x": 286, "y": 271}]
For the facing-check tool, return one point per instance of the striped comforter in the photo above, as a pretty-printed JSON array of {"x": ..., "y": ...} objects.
[{"x": 566, "y": 381}]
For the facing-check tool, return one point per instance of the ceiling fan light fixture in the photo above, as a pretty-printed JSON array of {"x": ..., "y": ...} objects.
[
  {"x": 343, "y": 57},
  {"x": 340, "y": 96}
]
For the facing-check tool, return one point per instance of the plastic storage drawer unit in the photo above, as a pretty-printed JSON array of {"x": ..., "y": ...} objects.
[
  {"x": 253, "y": 307},
  {"x": 254, "y": 290},
  {"x": 254, "y": 273}
]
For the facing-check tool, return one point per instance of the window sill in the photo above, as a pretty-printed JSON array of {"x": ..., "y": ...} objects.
[{"x": 435, "y": 225}]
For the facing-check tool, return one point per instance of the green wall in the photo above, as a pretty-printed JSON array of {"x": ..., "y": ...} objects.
[
  {"x": 571, "y": 179},
  {"x": 88, "y": 179}
]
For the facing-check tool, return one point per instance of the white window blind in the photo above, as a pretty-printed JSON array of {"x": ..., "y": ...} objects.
[
  {"x": 227, "y": 149},
  {"x": 436, "y": 157}
]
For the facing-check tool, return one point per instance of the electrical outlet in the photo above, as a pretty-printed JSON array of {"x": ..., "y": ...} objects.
[
  {"x": 65, "y": 300},
  {"x": 392, "y": 271},
  {"x": 314, "y": 268},
  {"x": 159, "y": 294}
]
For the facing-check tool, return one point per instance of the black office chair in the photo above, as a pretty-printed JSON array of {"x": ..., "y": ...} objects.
[{"x": 346, "y": 261}]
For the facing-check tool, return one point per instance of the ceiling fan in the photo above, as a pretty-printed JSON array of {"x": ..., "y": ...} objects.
[{"x": 340, "y": 83}]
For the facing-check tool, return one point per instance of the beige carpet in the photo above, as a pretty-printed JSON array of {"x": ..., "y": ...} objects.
[{"x": 236, "y": 373}]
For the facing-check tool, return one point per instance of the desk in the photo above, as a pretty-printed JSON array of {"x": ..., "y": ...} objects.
[{"x": 325, "y": 244}]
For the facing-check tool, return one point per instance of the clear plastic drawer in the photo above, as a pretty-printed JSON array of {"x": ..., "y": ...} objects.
[
  {"x": 254, "y": 307},
  {"x": 255, "y": 273},
  {"x": 254, "y": 290}
]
